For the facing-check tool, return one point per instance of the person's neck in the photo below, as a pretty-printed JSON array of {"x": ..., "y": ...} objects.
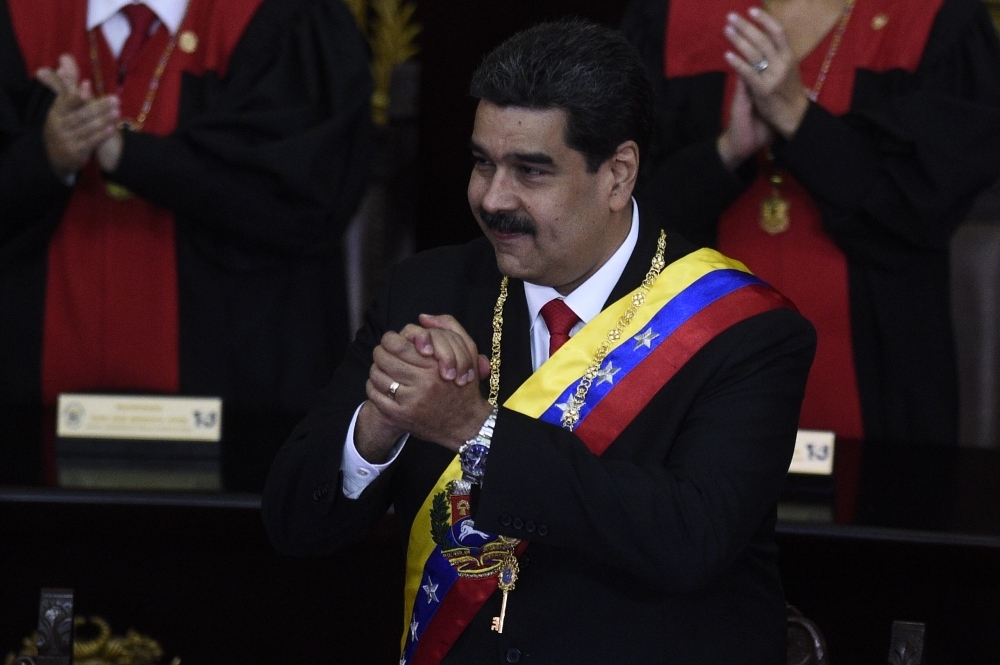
[{"x": 618, "y": 229}]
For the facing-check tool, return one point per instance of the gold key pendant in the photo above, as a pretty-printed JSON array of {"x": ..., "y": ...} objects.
[{"x": 506, "y": 579}]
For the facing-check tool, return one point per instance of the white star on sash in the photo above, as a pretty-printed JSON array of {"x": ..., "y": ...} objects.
[
  {"x": 562, "y": 406},
  {"x": 413, "y": 629},
  {"x": 402, "y": 661},
  {"x": 431, "y": 590},
  {"x": 607, "y": 374},
  {"x": 645, "y": 339}
]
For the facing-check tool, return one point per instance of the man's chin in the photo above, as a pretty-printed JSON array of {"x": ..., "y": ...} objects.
[{"x": 513, "y": 265}]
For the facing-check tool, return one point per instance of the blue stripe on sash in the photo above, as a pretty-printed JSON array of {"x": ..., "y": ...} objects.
[
  {"x": 438, "y": 571},
  {"x": 672, "y": 315}
]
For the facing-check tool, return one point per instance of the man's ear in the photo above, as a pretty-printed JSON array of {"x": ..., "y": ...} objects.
[{"x": 624, "y": 166}]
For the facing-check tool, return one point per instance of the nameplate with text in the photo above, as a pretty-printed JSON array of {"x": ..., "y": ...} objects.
[
  {"x": 813, "y": 452},
  {"x": 158, "y": 418}
]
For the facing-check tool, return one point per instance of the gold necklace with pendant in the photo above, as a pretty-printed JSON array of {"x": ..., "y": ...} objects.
[
  {"x": 774, "y": 209},
  {"x": 774, "y": 217},
  {"x": 114, "y": 190}
]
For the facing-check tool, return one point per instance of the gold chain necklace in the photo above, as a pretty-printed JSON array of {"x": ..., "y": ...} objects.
[
  {"x": 774, "y": 217},
  {"x": 114, "y": 190},
  {"x": 576, "y": 401}
]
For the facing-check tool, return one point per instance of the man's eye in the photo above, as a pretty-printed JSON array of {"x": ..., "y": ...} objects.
[{"x": 531, "y": 171}]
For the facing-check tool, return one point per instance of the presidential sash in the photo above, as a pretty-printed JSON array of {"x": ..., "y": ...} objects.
[{"x": 452, "y": 567}]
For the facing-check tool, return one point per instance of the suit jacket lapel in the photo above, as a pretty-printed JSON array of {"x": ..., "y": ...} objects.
[{"x": 516, "y": 346}]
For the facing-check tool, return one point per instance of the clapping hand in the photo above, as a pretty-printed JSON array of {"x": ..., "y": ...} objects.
[
  {"x": 747, "y": 132},
  {"x": 767, "y": 66},
  {"x": 77, "y": 123},
  {"x": 424, "y": 380}
]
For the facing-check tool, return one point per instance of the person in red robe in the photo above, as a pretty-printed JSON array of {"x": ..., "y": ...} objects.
[
  {"x": 833, "y": 147},
  {"x": 174, "y": 185}
]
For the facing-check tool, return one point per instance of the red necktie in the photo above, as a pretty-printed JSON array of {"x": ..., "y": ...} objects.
[
  {"x": 559, "y": 319},
  {"x": 140, "y": 18}
]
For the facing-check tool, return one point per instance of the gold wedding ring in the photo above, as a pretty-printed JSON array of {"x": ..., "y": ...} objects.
[{"x": 393, "y": 387}]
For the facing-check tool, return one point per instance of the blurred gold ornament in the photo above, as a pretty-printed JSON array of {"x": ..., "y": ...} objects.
[
  {"x": 117, "y": 192},
  {"x": 392, "y": 37},
  {"x": 360, "y": 10},
  {"x": 103, "y": 649}
]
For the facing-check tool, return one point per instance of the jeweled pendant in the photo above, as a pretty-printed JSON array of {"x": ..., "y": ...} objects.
[{"x": 774, "y": 217}]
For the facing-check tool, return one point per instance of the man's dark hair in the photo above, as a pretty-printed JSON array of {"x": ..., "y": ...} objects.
[{"x": 588, "y": 70}]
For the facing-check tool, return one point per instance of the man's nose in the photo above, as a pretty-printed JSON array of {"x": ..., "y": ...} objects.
[{"x": 501, "y": 193}]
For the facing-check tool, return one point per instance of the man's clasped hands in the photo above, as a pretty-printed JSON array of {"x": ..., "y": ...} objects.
[
  {"x": 79, "y": 125},
  {"x": 436, "y": 369}
]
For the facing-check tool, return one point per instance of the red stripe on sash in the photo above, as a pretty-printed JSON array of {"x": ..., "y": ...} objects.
[{"x": 615, "y": 412}]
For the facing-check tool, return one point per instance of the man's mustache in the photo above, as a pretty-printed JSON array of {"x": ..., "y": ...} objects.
[{"x": 506, "y": 222}]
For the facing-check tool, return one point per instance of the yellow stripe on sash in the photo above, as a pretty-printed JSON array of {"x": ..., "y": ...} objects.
[
  {"x": 536, "y": 395},
  {"x": 421, "y": 545}
]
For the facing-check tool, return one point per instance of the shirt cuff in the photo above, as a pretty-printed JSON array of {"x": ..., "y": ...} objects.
[{"x": 359, "y": 473}]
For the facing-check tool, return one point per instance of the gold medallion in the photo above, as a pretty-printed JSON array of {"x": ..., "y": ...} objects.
[
  {"x": 774, "y": 217},
  {"x": 188, "y": 41},
  {"x": 117, "y": 192},
  {"x": 879, "y": 21}
]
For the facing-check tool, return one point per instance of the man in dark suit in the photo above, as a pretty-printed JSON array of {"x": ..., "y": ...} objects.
[{"x": 602, "y": 488}]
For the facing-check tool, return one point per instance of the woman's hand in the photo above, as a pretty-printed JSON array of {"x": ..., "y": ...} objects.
[
  {"x": 746, "y": 133},
  {"x": 764, "y": 60}
]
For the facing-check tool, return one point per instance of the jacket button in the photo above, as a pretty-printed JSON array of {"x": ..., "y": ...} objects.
[
  {"x": 513, "y": 656},
  {"x": 543, "y": 530},
  {"x": 518, "y": 523},
  {"x": 529, "y": 526},
  {"x": 505, "y": 520}
]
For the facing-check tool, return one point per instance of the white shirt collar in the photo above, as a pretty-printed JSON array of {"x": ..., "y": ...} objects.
[
  {"x": 588, "y": 299},
  {"x": 170, "y": 12}
]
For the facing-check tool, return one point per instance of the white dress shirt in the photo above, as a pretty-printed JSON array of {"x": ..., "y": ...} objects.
[
  {"x": 586, "y": 301},
  {"x": 116, "y": 28}
]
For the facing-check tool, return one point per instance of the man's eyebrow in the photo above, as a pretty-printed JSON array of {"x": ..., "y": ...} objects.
[
  {"x": 540, "y": 158},
  {"x": 534, "y": 158}
]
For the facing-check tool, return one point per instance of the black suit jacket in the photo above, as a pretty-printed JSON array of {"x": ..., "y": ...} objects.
[{"x": 660, "y": 551}]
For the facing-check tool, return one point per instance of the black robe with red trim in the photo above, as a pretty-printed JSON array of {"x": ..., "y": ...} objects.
[
  {"x": 261, "y": 170},
  {"x": 892, "y": 177}
]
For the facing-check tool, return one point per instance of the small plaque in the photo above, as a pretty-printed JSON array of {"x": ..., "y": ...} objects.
[
  {"x": 813, "y": 452},
  {"x": 162, "y": 418}
]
